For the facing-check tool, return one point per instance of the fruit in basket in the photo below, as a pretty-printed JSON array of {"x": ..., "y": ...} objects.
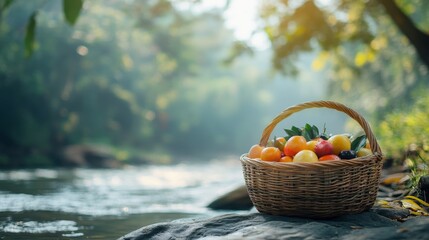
[
  {"x": 255, "y": 151},
  {"x": 286, "y": 159},
  {"x": 280, "y": 143},
  {"x": 364, "y": 152},
  {"x": 329, "y": 157},
  {"x": 323, "y": 147},
  {"x": 311, "y": 145},
  {"x": 271, "y": 154},
  {"x": 307, "y": 144},
  {"x": 305, "y": 156},
  {"x": 348, "y": 154},
  {"x": 340, "y": 143},
  {"x": 294, "y": 145}
]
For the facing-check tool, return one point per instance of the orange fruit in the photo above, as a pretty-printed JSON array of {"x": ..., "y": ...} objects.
[
  {"x": 294, "y": 145},
  {"x": 305, "y": 156},
  {"x": 286, "y": 159},
  {"x": 255, "y": 151},
  {"x": 271, "y": 154},
  {"x": 340, "y": 143}
]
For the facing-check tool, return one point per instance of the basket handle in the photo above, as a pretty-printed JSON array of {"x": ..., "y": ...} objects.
[{"x": 375, "y": 148}]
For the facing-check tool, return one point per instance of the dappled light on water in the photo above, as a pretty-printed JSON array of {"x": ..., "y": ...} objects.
[
  {"x": 173, "y": 188},
  {"x": 79, "y": 202}
]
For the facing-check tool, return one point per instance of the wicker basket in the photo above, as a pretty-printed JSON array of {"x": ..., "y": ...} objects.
[{"x": 314, "y": 190}]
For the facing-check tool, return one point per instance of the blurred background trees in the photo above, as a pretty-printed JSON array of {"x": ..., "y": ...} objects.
[
  {"x": 147, "y": 76},
  {"x": 141, "y": 77},
  {"x": 375, "y": 51}
]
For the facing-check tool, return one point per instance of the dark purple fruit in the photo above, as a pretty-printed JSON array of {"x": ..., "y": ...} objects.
[{"x": 348, "y": 154}]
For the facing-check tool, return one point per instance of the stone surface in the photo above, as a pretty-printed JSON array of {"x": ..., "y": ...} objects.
[
  {"x": 368, "y": 225},
  {"x": 237, "y": 199}
]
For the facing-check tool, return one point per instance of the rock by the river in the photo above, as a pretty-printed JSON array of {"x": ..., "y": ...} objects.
[
  {"x": 237, "y": 199},
  {"x": 89, "y": 156},
  {"x": 367, "y": 225}
]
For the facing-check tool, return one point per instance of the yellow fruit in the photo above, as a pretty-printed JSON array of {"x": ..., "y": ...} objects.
[
  {"x": 340, "y": 143},
  {"x": 364, "y": 152},
  {"x": 311, "y": 145},
  {"x": 305, "y": 156}
]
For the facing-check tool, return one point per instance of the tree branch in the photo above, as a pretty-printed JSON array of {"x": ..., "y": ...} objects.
[{"x": 417, "y": 38}]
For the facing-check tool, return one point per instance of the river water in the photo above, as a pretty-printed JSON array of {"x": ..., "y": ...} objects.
[{"x": 106, "y": 204}]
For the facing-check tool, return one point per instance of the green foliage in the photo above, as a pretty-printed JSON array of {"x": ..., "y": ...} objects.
[
  {"x": 360, "y": 49},
  {"x": 406, "y": 130},
  {"x": 309, "y": 132},
  {"x": 37, "y": 161},
  {"x": 419, "y": 167}
]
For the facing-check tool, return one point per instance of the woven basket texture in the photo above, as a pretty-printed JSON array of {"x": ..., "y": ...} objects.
[{"x": 315, "y": 190}]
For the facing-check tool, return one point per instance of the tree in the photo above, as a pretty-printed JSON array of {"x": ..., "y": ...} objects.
[
  {"x": 293, "y": 29},
  {"x": 416, "y": 36},
  {"x": 369, "y": 58}
]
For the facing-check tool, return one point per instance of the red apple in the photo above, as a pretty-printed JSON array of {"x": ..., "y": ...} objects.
[{"x": 323, "y": 147}]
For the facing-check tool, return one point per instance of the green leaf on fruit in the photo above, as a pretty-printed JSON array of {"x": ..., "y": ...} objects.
[
  {"x": 308, "y": 132},
  {"x": 359, "y": 143},
  {"x": 294, "y": 131},
  {"x": 315, "y": 130},
  {"x": 306, "y": 135}
]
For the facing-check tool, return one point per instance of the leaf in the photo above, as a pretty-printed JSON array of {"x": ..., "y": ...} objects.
[
  {"x": 296, "y": 130},
  {"x": 414, "y": 208},
  {"x": 30, "y": 35},
  {"x": 291, "y": 133},
  {"x": 315, "y": 131},
  {"x": 306, "y": 135},
  {"x": 358, "y": 143},
  {"x": 307, "y": 132},
  {"x": 308, "y": 128},
  {"x": 71, "y": 9},
  {"x": 418, "y": 200}
]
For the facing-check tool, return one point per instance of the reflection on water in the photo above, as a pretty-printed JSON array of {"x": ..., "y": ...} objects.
[
  {"x": 36, "y": 227},
  {"x": 106, "y": 204}
]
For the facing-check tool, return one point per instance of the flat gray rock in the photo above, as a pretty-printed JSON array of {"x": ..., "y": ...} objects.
[{"x": 368, "y": 225}]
